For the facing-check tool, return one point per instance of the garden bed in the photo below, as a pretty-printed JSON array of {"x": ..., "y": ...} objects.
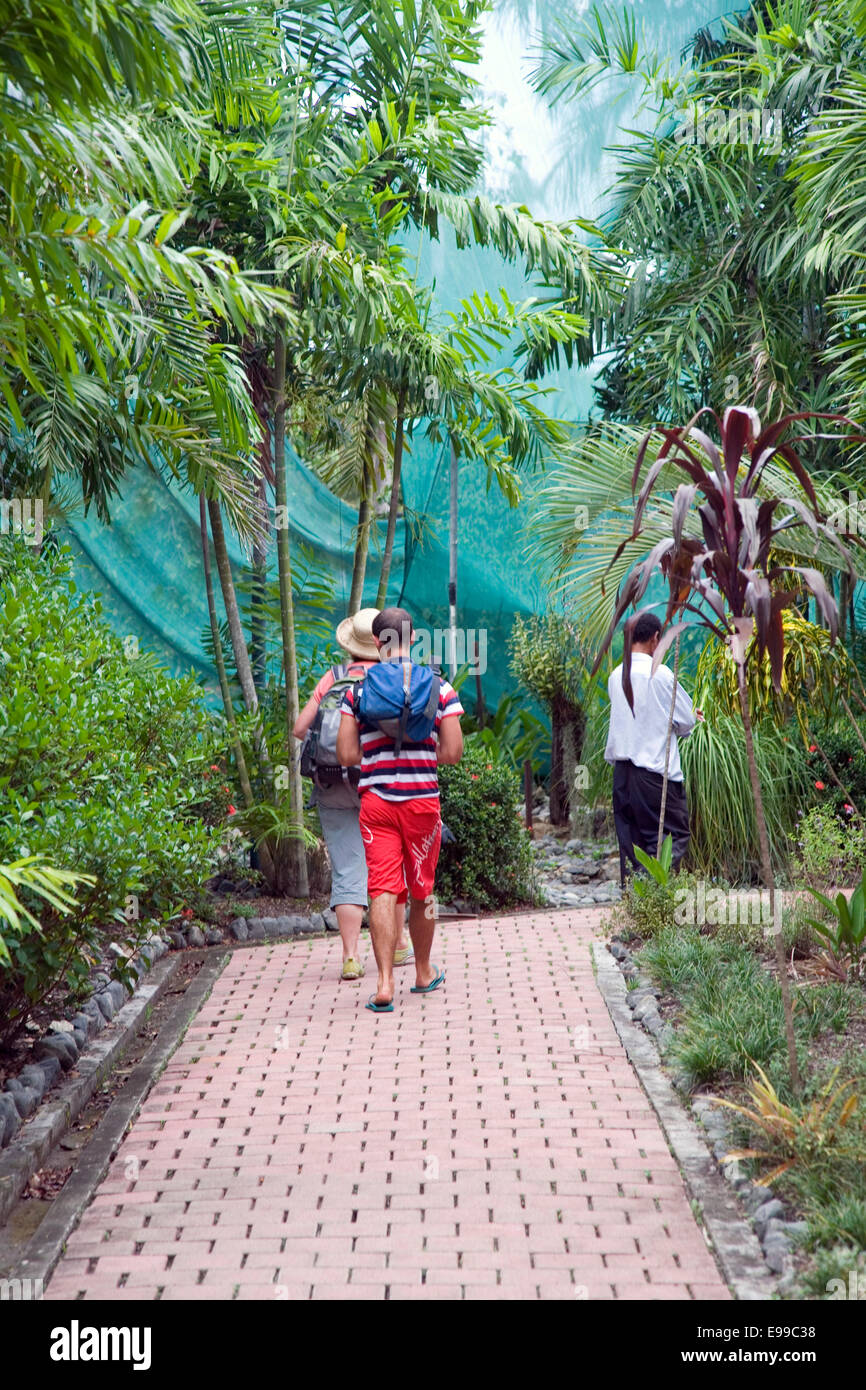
[{"x": 710, "y": 996}]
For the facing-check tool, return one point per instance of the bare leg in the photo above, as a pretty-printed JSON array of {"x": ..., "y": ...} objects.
[
  {"x": 349, "y": 921},
  {"x": 385, "y": 933},
  {"x": 402, "y": 938},
  {"x": 422, "y": 925}
]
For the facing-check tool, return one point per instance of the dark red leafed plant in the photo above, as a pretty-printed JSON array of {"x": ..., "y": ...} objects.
[{"x": 729, "y": 580}]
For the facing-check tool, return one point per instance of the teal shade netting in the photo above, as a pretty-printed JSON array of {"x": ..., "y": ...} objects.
[{"x": 147, "y": 564}]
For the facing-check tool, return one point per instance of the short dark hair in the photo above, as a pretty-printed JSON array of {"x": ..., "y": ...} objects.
[
  {"x": 393, "y": 627},
  {"x": 646, "y": 627}
]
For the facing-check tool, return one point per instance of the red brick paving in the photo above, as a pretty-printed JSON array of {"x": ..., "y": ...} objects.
[{"x": 488, "y": 1141}]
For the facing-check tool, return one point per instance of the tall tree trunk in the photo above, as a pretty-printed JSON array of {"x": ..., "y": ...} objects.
[
  {"x": 259, "y": 589},
  {"x": 224, "y": 570},
  {"x": 385, "y": 572},
  {"x": 767, "y": 874},
  {"x": 225, "y": 691},
  {"x": 297, "y": 849},
  {"x": 559, "y": 806},
  {"x": 362, "y": 544}
]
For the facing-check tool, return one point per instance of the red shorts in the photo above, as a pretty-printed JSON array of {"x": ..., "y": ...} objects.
[{"x": 401, "y": 842}]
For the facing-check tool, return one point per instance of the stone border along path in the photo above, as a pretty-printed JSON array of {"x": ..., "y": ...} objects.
[{"x": 489, "y": 1141}]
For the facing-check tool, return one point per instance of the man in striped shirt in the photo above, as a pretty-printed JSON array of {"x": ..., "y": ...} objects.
[{"x": 401, "y": 824}]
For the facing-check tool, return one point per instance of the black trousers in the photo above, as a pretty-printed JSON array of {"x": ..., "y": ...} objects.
[{"x": 637, "y": 802}]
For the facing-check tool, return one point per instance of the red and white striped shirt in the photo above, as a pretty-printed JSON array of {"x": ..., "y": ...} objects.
[{"x": 414, "y": 774}]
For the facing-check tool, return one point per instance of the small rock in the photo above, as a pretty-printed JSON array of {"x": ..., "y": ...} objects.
[
  {"x": 51, "y": 1069},
  {"x": 107, "y": 1006},
  {"x": 61, "y": 1025},
  {"x": 118, "y": 993},
  {"x": 777, "y": 1259},
  {"x": 95, "y": 1014},
  {"x": 83, "y": 1021},
  {"x": 25, "y": 1099},
  {"x": 654, "y": 1024},
  {"x": 195, "y": 936},
  {"x": 239, "y": 929},
  {"x": 255, "y": 930},
  {"x": 34, "y": 1078},
  {"x": 734, "y": 1171},
  {"x": 80, "y": 1037},
  {"x": 796, "y": 1229},
  {"x": 178, "y": 940},
  {"x": 100, "y": 980},
  {"x": 318, "y": 921},
  {"x": 645, "y": 1009},
  {"x": 120, "y": 952},
  {"x": 213, "y": 937},
  {"x": 767, "y": 1212},
  {"x": 776, "y": 1230},
  {"x": 304, "y": 926},
  {"x": 756, "y": 1199},
  {"x": 58, "y": 1045},
  {"x": 330, "y": 919},
  {"x": 10, "y": 1120}
]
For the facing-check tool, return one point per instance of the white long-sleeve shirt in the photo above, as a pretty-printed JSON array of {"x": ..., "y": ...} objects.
[{"x": 640, "y": 737}]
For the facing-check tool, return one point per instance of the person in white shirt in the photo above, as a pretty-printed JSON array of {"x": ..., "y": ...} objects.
[{"x": 636, "y": 745}]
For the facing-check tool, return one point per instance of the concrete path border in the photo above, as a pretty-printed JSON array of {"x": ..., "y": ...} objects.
[
  {"x": 732, "y": 1240},
  {"x": 47, "y": 1243},
  {"x": 41, "y": 1132}
]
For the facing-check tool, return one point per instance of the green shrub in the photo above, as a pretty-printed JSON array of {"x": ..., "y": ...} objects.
[
  {"x": 830, "y": 853},
  {"x": 490, "y": 862},
  {"x": 108, "y": 767},
  {"x": 847, "y": 757}
]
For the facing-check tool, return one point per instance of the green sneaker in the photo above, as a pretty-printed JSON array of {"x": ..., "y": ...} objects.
[{"x": 352, "y": 969}]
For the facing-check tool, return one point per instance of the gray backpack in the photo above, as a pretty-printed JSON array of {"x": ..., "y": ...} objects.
[{"x": 334, "y": 784}]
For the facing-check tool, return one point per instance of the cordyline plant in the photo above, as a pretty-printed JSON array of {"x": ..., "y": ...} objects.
[{"x": 729, "y": 580}]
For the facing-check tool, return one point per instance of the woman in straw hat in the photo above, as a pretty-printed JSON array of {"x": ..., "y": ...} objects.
[{"x": 339, "y": 806}]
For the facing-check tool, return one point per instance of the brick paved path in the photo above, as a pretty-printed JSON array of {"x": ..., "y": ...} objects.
[{"x": 488, "y": 1141}]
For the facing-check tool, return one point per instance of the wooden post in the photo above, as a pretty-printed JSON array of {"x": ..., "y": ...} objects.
[{"x": 527, "y": 792}]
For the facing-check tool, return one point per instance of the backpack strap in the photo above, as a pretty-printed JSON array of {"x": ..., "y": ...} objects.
[
  {"x": 407, "y": 707},
  {"x": 432, "y": 704}
]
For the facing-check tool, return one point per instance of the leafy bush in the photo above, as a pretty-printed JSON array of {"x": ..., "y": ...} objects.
[
  {"x": 830, "y": 853},
  {"x": 108, "y": 767},
  {"x": 511, "y": 734},
  {"x": 490, "y": 862},
  {"x": 846, "y": 756}
]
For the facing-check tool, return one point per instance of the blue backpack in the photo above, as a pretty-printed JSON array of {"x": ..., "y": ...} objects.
[{"x": 400, "y": 698}]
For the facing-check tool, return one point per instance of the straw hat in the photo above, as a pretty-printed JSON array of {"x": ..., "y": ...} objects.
[{"x": 355, "y": 634}]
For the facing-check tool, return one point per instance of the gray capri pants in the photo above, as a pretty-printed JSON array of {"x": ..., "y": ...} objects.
[{"x": 346, "y": 851}]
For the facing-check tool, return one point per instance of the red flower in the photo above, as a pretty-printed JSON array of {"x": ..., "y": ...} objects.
[
  {"x": 819, "y": 786},
  {"x": 489, "y": 766},
  {"x": 214, "y": 767},
  {"x": 475, "y": 776},
  {"x": 494, "y": 805},
  {"x": 813, "y": 747},
  {"x": 226, "y": 790},
  {"x": 232, "y": 811},
  {"x": 187, "y": 912},
  {"x": 848, "y": 809}
]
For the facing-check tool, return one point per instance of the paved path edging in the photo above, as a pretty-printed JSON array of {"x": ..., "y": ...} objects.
[
  {"x": 47, "y": 1243},
  {"x": 734, "y": 1244},
  {"x": 37, "y": 1137}
]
